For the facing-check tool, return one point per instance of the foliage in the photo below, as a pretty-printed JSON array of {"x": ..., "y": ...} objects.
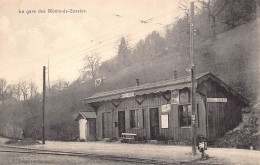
[
  {"x": 65, "y": 131},
  {"x": 28, "y": 141},
  {"x": 60, "y": 84},
  {"x": 25, "y": 141},
  {"x": 113, "y": 139},
  {"x": 124, "y": 53},
  {"x": 161, "y": 138},
  {"x": 237, "y": 11},
  {"x": 244, "y": 135},
  {"x": 91, "y": 68},
  {"x": 82, "y": 140},
  {"x": 141, "y": 139},
  {"x": 5, "y": 91},
  {"x": 12, "y": 141},
  {"x": 151, "y": 59}
]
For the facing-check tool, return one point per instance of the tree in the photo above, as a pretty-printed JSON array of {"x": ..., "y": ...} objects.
[
  {"x": 124, "y": 52},
  {"x": 61, "y": 84},
  {"x": 184, "y": 6},
  {"x": 237, "y": 10},
  {"x": 33, "y": 88},
  {"x": 24, "y": 88},
  {"x": 91, "y": 67},
  {"x": 17, "y": 91},
  {"x": 154, "y": 45},
  {"x": 178, "y": 37},
  {"x": 213, "y": 8},
  {"x": 4, "y": 90}
]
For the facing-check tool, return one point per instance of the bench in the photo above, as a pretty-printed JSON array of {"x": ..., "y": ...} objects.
[{"x": 129, "y": 136}]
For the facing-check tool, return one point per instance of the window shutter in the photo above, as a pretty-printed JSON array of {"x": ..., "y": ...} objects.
[
  {"x": 127, "y": 119},
  {"x": 140, "y": 118},
  {"x": 175, "y": 115},
  {"x": 136, "y": 118},
  {"x": 197, "y": 114}
]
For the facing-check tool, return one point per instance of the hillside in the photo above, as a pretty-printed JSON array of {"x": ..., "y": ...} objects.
[{"x": 233, "y": 57}]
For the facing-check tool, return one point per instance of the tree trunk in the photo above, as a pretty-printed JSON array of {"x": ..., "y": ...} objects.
[{"x": 214, "y": 35}]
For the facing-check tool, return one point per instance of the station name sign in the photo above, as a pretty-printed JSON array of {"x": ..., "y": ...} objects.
[
  {"x": 127, "y": 95},
  {"x": 166, "y": 108},
  {"x": 175, "y": 98},
  {"x": 216, "y": 100}
]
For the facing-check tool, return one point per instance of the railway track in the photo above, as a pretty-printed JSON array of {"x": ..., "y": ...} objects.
[{"x": 25, "y": 150}]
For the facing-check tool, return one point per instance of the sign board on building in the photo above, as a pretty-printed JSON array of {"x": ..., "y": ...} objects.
[
  {"x": 216, "y": 100},
  {"x": 127, "y": 95},
  {"x": 193, "y": 119},
  {"x": 166, "y": 108},
  {"x": 165, "y": 121},
  {"x": 175, "y": 97}
]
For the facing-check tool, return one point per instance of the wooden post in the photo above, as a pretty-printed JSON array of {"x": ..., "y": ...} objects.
[
  {"x": 193, "y": 88},
  {"x": 43, "y": 107}
]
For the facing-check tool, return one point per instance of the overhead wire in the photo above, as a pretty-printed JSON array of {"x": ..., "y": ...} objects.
[
  {"x": 83, "y": 58},
  {"x": 108, "y": 44},
  {"x": 91, "y": 41},
  {"x": 97, "y": 44},
  {"x": 86, "y": 49}
]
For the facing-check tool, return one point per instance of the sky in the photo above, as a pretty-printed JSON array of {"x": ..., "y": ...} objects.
[{"x": 29, "y": 38}]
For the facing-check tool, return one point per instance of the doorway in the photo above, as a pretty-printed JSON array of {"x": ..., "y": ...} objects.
[
  {"x": 154, "y": 123},
  {"x": 107, "y": 124},
  {"x": 121, "y": 123}
]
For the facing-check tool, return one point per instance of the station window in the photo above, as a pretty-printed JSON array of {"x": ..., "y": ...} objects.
[
  {"x": 134, "y": 123},
  {"x": 185, "y": 113}
]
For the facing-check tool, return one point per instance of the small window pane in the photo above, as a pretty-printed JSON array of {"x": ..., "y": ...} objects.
[
  {"x": 134, "y": 119},
  {"x": 185, "y": 114}
]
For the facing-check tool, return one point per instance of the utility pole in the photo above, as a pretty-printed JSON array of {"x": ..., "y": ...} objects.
[
  {"x": 49, "y": 75},
  {"x": 43, "y": 106},
  {"x": 193, "y": 88}
]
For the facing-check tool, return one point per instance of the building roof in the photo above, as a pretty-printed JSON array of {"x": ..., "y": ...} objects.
[
  {"x": 85, "y": 115},
  {"x": 161, "y": 86}
]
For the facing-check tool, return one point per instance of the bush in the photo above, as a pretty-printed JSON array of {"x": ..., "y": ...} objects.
[
  {"x": 29, "y": 141},
  {"x": 161, "y": 138},
  {"x": 25, "y": 141},
  {"x": 113, "y": 139},
  {"x": 137, "y": 139},
  {"x": 64, "y": 131},
  {"x": 246, "y": 134},
  {"x": 140, "y": 139},
  {"x": 12, "y": 141},
  {"x": 82, "y": 140}
]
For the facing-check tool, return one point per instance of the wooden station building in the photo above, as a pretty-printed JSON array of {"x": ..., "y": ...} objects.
[{"x": 164, "y": 108}]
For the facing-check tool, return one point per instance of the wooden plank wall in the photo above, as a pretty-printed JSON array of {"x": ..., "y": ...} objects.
[
  {"x": 151, "y": 101},
  {"x": 180, "y": 133},
  {"x": 221, "y": 116},
  {"x": 91, "y": 129}
]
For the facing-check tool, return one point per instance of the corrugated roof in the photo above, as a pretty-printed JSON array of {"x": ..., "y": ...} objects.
[
  {"x": 161, "y": 86},
  {"x": 86, "y": 115}
]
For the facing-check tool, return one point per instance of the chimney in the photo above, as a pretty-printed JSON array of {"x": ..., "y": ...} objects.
[
  {"x": 174, "y": 73},
  {"x": 137, "y": 81}
]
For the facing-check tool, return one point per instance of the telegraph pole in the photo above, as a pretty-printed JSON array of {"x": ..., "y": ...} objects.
[
  {"x": 48, "y": 76},
  {"x": 193, "y": 88},
  {"x": 43, "y": 106}
]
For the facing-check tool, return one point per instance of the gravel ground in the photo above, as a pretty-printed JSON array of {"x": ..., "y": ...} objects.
[
  {"x": 3, "y": 140},
  {"x": 142, "y": 151},
  {"x": 34, "y": 159},
  {"x": 166, "y": 153}
]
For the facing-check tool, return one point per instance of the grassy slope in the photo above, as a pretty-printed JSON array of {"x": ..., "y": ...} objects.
[{"x": 232, "y": 58}]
